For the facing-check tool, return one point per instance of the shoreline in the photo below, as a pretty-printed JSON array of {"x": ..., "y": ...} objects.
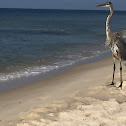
[
  {"x": 87, "y": 80},
  {"x": 89, "y": 66},
  {"x": 25, "y": 80}
]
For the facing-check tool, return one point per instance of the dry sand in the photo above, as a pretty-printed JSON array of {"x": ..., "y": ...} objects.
[{"x": 77, "y": 97}]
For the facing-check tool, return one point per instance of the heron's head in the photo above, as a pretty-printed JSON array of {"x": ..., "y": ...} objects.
[{"x": 108, "y": 4}]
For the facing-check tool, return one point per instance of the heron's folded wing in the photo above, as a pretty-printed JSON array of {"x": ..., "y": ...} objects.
[
  {"x": 123, "y": 35},
  {"x": 121, "y": 43}
]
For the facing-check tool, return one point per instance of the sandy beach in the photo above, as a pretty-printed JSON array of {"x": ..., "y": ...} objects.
[{"x": 78, "y": 97}]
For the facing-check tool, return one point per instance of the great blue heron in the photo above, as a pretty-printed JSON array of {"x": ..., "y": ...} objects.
[{"x": 115, "y": 42}]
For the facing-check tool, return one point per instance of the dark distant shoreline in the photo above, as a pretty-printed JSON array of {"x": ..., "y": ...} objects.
[{"x": 58, "y": 9}]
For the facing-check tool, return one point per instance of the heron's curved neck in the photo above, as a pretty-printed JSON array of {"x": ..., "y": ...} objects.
[{"x": 108, "y": 31}]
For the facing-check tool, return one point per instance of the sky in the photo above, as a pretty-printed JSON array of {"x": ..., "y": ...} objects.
[{"x": 61, "y": 4}]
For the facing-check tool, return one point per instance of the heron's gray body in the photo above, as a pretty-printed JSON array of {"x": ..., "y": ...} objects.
[
  {"x": 118, "y": 47},
  {"x": 116, "y": 43}
]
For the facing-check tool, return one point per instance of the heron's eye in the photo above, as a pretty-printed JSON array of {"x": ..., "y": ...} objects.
[{"x": 108, "y": 3}]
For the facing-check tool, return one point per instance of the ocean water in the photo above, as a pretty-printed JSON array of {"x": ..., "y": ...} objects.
[{"x": 34, "y": 42}]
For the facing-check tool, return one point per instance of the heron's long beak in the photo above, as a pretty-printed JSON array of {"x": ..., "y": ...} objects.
[{"x": 102, "y": 5}]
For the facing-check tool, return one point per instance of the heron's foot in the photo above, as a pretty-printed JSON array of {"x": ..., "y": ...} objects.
[
  {"x": 112, "y": 84},
  {"x": 120, "y": 86}
]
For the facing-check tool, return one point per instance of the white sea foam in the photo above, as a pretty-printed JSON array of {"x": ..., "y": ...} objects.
[
  {"x": 28, "y": 72},
  {"x": 34, "y": 71}
]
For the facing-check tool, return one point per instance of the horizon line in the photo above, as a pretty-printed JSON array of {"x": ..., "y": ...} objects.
[{"x": 59, "y": 9}]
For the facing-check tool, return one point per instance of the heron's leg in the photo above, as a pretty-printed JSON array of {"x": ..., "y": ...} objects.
[
  {"x": 114, "y": 67},
  {"x": 120, "y": 75}
]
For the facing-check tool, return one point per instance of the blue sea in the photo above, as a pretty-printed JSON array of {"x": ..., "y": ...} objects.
[{"x": 35, "y": 42}]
